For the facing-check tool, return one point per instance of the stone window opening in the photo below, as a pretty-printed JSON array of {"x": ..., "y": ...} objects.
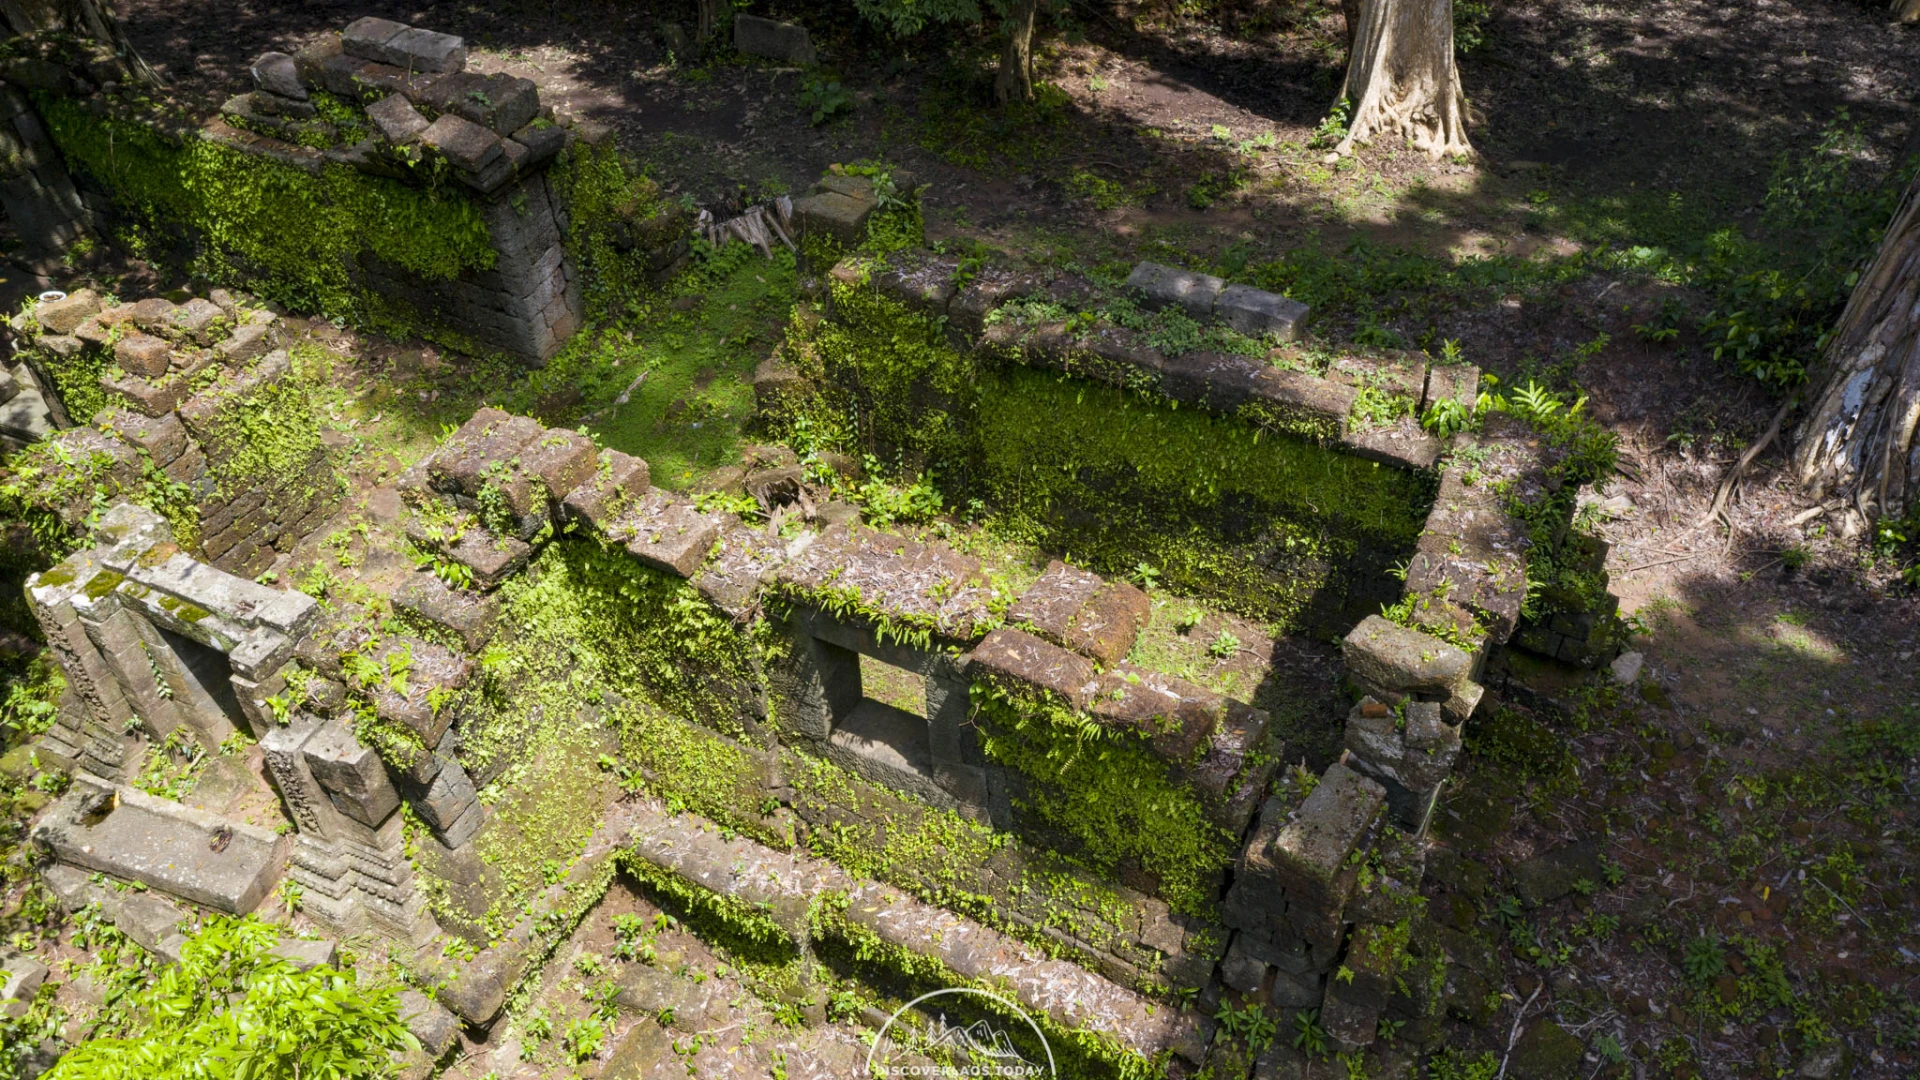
[{"x": 888, "y": 721}]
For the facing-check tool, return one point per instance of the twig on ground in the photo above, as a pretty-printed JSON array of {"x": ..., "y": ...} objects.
[{"x": 1514, "y": 1035}]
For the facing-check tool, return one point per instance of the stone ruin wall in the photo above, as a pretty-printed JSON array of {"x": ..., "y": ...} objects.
[{"x": 492, "y": 133}]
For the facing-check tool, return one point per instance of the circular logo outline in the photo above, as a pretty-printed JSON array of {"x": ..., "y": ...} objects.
[{"x": 1053, "y": 1070}]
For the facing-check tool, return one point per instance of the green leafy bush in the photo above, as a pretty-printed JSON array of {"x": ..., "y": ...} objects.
[{"x": 231, "y": 1010}]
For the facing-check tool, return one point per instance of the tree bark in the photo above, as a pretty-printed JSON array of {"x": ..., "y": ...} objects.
[
  {"x": 1350, "y": 9},
  {"x": 87, "y": 18},
  {"x": 1015, "y": 80},
  {"x": 1858, "y": 440},
  {"x": 1402, "y": 79},
  {"x": 709, "y": 21}
]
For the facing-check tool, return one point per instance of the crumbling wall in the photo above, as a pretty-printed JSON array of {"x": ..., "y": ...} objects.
[
  {"x": 236, "y": 461},
  {"x": 1256, "y": 481},
  {"x": 372, "y": 178}
]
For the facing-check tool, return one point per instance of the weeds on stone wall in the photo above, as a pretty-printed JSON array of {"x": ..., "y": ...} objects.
[
  {"x": 1110, "y": 794},
  {"x": 617, "y": 220},
  {"x": 60, "y": 493},
  {"x": 1114, "y": 478},
  {"x": 291, "y": 236}
]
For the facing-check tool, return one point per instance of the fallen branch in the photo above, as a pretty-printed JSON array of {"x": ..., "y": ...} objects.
[{"x": 1725, "y": 491}]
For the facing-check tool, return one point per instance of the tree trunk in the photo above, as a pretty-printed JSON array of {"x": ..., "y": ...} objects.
[
  {"x": 1350, "y": 9},
  {"x": 88, "y": 18},
  {"x": 1906, "y": 10},
  {"x": 709, "y": 21},
  {"x": 1858, "y": 440},
  {"x": 1402, "y": 80},
  {"x": 1015, "y": 80}
]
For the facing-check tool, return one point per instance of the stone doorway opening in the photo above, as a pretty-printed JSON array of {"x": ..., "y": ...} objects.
[{"x": 204, "y": 685}]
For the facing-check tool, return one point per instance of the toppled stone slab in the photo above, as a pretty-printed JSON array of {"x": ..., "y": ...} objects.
[
  {"x": 498, "y": 104},
  {"x": 1409, "y": 750},
  {"x": 781, "y": 41},
  {"x": 465, "y": 144},
  {"x": 1163, "y": 286},
  {"x": 226, "y": 865},
  {"x": 429, "y": 1021},
  {"x": 878, "y": 578},
  {"x": 666, "y": 532},
  {"x": 562, "y": 460},
  {"x": 276, "y": 73},
  {"x": 1258, "y": 313},
  {"x": 468, "y": 615},
  {"x": 1402, "y": 443},
  {"x": 305, "y": 954},
  {"x": 143, "y": 355},
  {"x": 490, "y": 437},
  {"x": 1084, "y": 612}
]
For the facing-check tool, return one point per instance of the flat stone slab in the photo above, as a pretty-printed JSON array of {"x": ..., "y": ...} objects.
[
  {"x": 1083, "y": 611},
  {"x": 1019, "y": 662},
  {"x": 226, "y": 865},
  {"x": 562, "y": 460},
  {"x": 664, "y": 531},
  {"x": 1403, "y": 444},
  {"x": 783, "y": 885},
  {"x": 869, "y": 576},
  {"x": 1162, "y": 286},
  {"x": 1258, "y": 313}
]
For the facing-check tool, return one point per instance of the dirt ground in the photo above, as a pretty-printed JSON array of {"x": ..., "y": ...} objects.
[{"x": 1755, "y": 786}]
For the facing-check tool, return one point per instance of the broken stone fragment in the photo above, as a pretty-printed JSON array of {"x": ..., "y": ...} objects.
[
  {"x": 464, "y": 143},
  {"x": 396, "y": 119},
  {"x": 276, "y": 73}
]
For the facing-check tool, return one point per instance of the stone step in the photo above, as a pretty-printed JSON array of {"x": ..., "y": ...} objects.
[{"x": 784, "y": 885}]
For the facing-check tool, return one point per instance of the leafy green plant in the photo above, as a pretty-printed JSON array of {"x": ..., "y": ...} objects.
[
  {"x": 584, "y": 1038},
  {"x": 1308, "y": 1036},
  {"x": 825, "y": 99},
  {"x": 1334, "y": 128},
  {"x": 1224, "y": 646},
  {"x": 1249, "y": 1023},
  {"x": 232, "y": 1010},
  {"x": 1705, "y": 958}
]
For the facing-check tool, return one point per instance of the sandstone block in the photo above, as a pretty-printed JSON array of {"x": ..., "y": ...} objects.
[
  {"x": 276, "y": 73},
  {"x": 498, "y": 104},
  {"x": 221, "y": 864},
  {"x": 1162, "y": 286},
  {"x": 396, "y": 119},
  {"x": 143, "y": 355},
  {"x": 424, "y": 50},
  {"x": 1018, "y": 662},
  {"x": 470, "y": 616},
  {"x": 618, "y": 482},
  {"x": 366, "y": 36},
  {"x": 1257, "y": 313},
  {"x": 1390, "y": 657},
  {"x": 780, "y": 41},
  {"x": 464, "y": 143},
  {"x": 665, "y": 531},
  {"x": 561, "y": 459},
  {"x": 352, "y": 774},
  {"x": 65, "y": 316}
]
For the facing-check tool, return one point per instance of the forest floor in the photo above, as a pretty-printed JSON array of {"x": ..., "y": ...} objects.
[{"x": 1752, "y": 796}]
